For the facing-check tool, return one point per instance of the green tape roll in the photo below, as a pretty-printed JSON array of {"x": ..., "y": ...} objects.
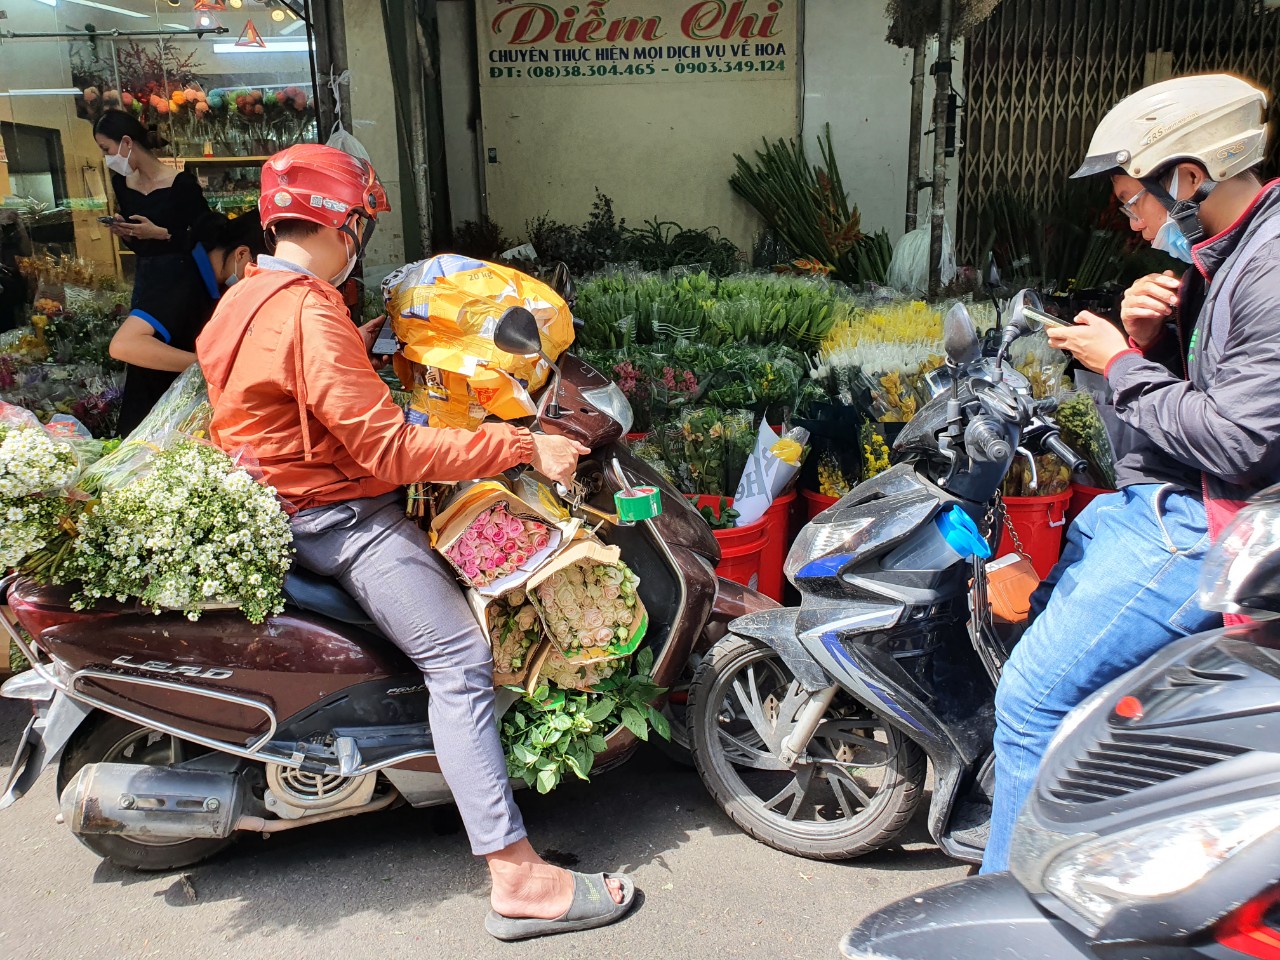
[{"x": 644, "y": 504}]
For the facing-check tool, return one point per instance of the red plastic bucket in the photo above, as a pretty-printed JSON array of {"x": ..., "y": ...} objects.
[
  {"x": 815, "y": 503},
  {"x": 1039, "y": 522},
  {"x": 777, "y": 521},
  {"x": 1081, "y": 497},
  {"x": 741, "y": 548}
]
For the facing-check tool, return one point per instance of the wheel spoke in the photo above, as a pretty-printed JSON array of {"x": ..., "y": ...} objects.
[
  {"x": 797, "y": 791},
  {"x": 753, "y": 710},
  {"x": 839, "y": 777},
  {"x": 868, "y": 752},
  {"x": 841, "y": 787},
  {"x": 743, "y": 754}
]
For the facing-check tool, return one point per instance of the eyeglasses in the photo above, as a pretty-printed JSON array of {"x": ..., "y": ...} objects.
[{"x": 1129, "y": 206}]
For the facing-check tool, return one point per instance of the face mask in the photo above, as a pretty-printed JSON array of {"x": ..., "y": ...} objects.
[
  {"x": 1170, "y": 239},
  {"x": 119, "y": 163},
  {"x": 232, "y": 280},
  {"x": 341, "y": 278}
]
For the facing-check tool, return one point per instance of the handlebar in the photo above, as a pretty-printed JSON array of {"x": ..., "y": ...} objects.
[
  {"x": 1054, "y": 444},
  {"x": 987, "y": 441}
]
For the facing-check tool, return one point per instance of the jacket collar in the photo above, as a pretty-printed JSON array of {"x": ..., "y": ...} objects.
[{"x": 1209, "y": 255}]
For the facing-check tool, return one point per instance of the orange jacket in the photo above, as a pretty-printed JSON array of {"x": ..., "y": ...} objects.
[{"x": 289, "y": 378}]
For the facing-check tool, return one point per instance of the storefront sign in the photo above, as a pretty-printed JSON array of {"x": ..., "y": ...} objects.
[{"x": 628, "y": 41}]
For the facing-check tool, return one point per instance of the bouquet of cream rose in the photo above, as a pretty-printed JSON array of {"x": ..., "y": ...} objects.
[
  {"x": 514, "y": 632},
  {"x": 591, "y": 610}
]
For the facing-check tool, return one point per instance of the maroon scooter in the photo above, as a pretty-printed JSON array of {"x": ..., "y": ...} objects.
[{"x": 173, "y": 737}]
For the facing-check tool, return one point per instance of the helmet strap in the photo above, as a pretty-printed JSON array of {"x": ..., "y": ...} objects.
[{"x": 1185, "y": 213}]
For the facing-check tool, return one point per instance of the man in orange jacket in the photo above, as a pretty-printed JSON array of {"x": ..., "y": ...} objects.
[{"x": 290, "y": 377}]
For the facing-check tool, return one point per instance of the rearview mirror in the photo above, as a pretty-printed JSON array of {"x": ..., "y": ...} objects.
[
  {"x": 517, "y": 333},
  {"x": 1026, "y": 312},
  {"x": 991, "y": 273},
  {"x": 959, "y": 336}
]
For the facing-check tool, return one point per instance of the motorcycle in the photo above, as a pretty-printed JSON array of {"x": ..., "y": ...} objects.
[
  {"x": 811, "y": 725},
  {"x": 174, "y": 737},
  {"x": 1153, "y": 830}
]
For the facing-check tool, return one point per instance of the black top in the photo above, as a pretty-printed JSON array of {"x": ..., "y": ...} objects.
[
  {"x": 177, "y": 302},
  {"x": 175, "y": 207}
]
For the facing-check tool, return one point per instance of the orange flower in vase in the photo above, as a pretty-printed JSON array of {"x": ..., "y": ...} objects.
[{"x": 177, "y": 98}]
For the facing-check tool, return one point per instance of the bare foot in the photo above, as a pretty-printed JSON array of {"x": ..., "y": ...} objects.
[{"x": 525, "y": 885}]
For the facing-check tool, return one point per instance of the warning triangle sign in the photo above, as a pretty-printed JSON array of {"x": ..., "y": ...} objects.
[
  {"x": 207, "y": 6},
  {"x": 250, "y": 37}
]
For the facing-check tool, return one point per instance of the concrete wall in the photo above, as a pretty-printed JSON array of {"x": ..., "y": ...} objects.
[
  {"x": 861, "y": 85},
  {"x": 373, "y": 122}
]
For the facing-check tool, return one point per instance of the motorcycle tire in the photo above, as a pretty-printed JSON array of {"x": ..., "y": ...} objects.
[
  {"x": 104, "y": 738},
  {"x": 883, "y": 816}
]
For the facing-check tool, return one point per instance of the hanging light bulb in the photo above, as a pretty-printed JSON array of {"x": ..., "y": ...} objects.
[
  {"x": 277, "y": 15},
  {"x": 236, "y": 4}
]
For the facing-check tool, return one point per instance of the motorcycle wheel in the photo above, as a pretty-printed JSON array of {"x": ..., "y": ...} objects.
[
  {"x": 854, "y": 789},
  {"x": 104, "y": 738},
  {"x": 676, "y": 709}
]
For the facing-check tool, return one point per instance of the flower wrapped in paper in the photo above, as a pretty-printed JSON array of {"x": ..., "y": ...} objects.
[
  {"x": 444, "y": 311},
  {"x": 589, "y": 603},
  {"x": 494, "y": 539},
  {"x": 515, "y": 633}
]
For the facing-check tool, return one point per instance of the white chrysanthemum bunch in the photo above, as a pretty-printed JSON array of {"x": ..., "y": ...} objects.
[
  {"x": 194, "y": 530},
  {"x": 33, "y": 461}
]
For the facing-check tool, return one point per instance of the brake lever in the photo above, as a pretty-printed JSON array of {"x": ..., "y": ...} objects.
[{"x": 1031, "y": 460}]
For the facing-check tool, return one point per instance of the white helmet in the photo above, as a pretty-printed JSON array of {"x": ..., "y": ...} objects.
[{"x": 1219, "y": 121}]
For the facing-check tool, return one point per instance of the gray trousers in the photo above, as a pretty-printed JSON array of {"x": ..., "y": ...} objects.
[{"x": 386, "y": 563}]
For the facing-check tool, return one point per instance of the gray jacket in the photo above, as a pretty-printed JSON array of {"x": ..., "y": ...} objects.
[{"x": 1216, "y": 430}]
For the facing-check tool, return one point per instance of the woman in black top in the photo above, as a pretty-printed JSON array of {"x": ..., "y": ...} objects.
[
  {"x": 156, "y": 205},
  {"x": 157, "y": 340}
]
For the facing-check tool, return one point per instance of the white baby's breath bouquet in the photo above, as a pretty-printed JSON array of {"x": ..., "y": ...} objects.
[
  {"x": 36, "y": 468},
  {"x": 195, "y": 530}
]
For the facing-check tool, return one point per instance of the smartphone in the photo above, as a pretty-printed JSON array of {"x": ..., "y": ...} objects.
[
  {"x": 1046, "y": 319},
  {"x": 107, "y": 220},
  {"x": 386, "y": 344}
]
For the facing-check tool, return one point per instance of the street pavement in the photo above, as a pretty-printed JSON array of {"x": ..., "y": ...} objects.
[{"x": 403, "y": 884}]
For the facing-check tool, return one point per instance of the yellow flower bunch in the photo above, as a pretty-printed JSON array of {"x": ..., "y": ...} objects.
[
  {"x": 831, "y": 481},
  {"x": 875, "y": 452}
]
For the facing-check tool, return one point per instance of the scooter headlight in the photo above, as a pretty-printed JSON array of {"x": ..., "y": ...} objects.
[
  {"x": 821, "y": 549},
  {"x": 612, "y": 401},
  {"x": 1156, "y": 860},
  {"x": 1241, "y": 574}
]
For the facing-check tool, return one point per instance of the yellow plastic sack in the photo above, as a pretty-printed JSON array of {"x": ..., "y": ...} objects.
[{"x": 444, "y": 311}]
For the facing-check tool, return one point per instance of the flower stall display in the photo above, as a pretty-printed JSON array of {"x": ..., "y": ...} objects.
[
  {"x": 494, "y": 540},
  {"x": 589, "y": 605}
]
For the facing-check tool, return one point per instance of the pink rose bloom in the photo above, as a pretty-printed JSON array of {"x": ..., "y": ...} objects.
[
  {"x": 509, "y": 547},
  {"x": 519, "y": 557},
  {"x": 541, "y": 542},
  {"x": 486, "y": 550},
  {"x": 490, "y": 531},
  {"x": 471, "y": 570},
  {"x": 488, "y": 564},
  {"x": 513, "y": 526},
  {"x": 465, "y": 550}
]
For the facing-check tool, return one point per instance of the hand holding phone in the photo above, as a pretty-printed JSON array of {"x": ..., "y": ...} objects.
[
  {"x": 109, "y": 221},
  {"x": 384, "y": 344},
  {"x": 1046, "y": 319}
]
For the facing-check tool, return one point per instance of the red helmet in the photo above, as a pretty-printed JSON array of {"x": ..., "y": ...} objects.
[{"x": 323, "y": 185}]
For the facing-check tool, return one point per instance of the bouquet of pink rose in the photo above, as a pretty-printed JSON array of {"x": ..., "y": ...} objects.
[
  {"x": 589, "y": 605},
  {"x": 495, "y": 544}
]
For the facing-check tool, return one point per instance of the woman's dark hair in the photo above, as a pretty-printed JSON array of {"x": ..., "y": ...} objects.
[
  {"x": 215, "y": 231},
  {"x": 117, "y": 124}
]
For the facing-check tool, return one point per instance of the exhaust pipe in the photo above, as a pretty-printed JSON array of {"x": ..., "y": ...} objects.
[{"x": 159, "y": 803}]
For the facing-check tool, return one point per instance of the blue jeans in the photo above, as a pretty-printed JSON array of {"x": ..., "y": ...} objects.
[{"x": 1124, "y": 588}]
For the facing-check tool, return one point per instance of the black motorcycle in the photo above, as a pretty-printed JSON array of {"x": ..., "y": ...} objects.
[
  {"x": 811, "y": 725},
  {"x": 1153, "y": 831}
]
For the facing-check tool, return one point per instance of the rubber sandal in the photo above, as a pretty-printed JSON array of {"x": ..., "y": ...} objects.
[{"x": 593, "y": 906}]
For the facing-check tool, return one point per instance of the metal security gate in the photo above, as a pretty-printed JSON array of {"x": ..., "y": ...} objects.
[{"x": 1040, "y": 74}]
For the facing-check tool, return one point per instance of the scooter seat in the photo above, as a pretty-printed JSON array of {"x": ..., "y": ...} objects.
[{"x": 323, "y": 595}]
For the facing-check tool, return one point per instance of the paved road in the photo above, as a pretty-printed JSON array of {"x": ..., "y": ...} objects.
[{"x": 402, "y": 883}]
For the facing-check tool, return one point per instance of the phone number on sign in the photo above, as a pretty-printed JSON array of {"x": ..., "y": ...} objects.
[{"x": 648, "y": 69}]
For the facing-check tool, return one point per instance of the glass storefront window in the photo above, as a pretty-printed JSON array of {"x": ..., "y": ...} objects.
[{"x": 221, "y": 102}]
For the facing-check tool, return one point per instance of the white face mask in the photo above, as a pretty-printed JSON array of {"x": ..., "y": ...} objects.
[
  {"x": 341, "y": 278},
  {"x": 119, "y": 163}
]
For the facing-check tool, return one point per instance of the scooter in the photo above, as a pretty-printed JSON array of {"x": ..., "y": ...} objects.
[
  {"x": 1153, "y": 830},
  {"x": 811, "y": 725},
  {"x": 172, "y": 738}
]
